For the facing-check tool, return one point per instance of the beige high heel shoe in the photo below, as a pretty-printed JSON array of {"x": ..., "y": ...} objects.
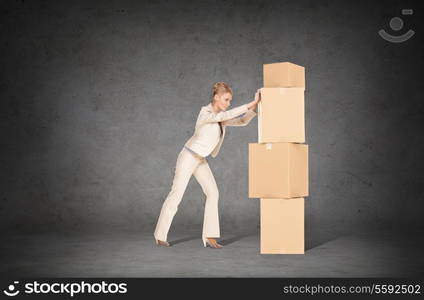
[
  {"x": 208, "y": 243},
  {"x": 162, "y": 243}
]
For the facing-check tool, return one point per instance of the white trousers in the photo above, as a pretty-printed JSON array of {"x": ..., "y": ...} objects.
[{"x": 187, "y": 164}]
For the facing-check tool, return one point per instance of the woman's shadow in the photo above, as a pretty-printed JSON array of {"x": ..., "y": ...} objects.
[
  {"x": 172, "y": 243},
  {"x": 312, "y": 239},
  {"x": 223, "y": 242}
]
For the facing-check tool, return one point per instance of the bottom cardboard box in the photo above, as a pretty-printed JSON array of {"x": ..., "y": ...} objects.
[{"x": 282, "y": 226}]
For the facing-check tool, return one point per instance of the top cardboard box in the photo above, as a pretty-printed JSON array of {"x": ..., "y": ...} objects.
[{"x": 284, "y": 74}]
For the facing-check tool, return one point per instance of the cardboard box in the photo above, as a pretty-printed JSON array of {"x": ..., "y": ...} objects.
[
  {"x": 281, "y": 115},
  {"x": 282, "y": 226},
  {"x": 278, "y": 170},
  {"x": 284, "y": 74}
]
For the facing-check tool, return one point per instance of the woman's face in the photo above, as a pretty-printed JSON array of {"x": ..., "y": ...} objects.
[{"x": 223, "y": 101}]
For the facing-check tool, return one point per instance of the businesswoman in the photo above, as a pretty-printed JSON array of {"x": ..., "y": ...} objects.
[{"x": 207, "y": 139}]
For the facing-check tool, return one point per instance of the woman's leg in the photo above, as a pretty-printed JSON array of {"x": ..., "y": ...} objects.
[
  {"x": 186, "y": 164},
  {"x": 204, "y": 176}
]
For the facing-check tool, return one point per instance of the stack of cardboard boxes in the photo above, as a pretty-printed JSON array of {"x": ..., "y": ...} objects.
[{"x": 278, "y": 163}]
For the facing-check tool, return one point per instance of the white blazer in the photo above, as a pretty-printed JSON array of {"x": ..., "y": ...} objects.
[{"x": 207, "y": 138}]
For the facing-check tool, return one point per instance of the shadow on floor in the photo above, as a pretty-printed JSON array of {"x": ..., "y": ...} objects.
[
  {"x": 236, "y": 238},
  {"x": 223, "y": 242},
  {"x": 315, "y": 239},
  {"x": 190, "y": 238}
]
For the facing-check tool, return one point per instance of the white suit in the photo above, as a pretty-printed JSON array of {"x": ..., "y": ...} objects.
[{"x": 207, "y": 139}]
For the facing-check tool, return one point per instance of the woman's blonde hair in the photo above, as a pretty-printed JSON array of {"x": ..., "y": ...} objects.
[{"x": 220, "y": 88}]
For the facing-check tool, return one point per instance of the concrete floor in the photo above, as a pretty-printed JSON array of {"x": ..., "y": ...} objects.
[{"x": 133, "y": 254}]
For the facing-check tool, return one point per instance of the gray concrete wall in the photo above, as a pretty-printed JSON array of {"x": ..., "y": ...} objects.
[{"x": 99, "y": 97}]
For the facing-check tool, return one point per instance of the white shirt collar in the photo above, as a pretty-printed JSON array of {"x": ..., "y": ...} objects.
[{"x": 210, "y": 108}]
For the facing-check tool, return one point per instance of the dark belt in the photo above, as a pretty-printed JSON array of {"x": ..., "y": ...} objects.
[{"x": 194, "y": 153}]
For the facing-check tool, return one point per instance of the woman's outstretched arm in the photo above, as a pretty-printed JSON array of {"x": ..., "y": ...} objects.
[
  {"x": 207, "y": 116},
  {"x": 248, "y": 116},
  {"x": 242, "y": 120}
]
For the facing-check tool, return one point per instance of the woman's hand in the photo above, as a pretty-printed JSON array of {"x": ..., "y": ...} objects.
[{"x": 255, "y": 102}]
